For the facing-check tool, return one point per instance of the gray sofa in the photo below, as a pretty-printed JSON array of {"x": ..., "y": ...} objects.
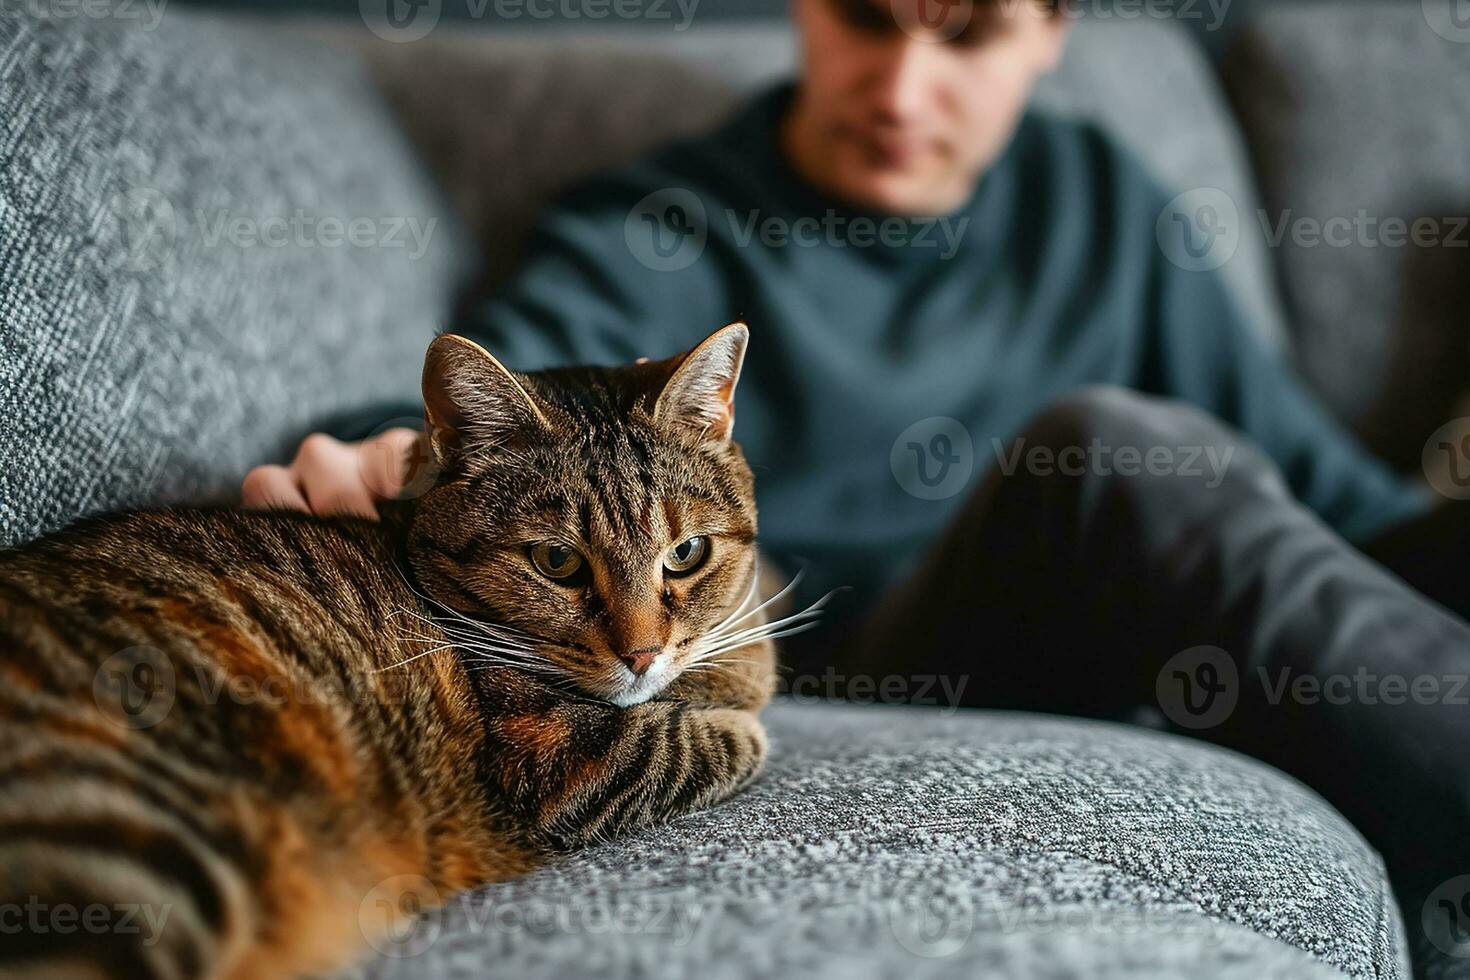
[{"x": 163, "y": 327}]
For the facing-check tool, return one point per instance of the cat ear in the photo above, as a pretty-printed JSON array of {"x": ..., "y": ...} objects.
[
  {"x": 701, "y": 391},
  {"x": 471, "y": 401}
]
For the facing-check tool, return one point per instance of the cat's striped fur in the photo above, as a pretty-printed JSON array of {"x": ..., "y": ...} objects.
[{"x": 247, "y": 727}]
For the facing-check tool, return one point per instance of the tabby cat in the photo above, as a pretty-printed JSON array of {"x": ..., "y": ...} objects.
[{"x": 245, "y": 723}]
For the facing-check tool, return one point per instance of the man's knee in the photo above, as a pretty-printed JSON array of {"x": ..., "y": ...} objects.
[
  {"x": 1106, "y": 430},
  {"x": 1106, "y": 413}
]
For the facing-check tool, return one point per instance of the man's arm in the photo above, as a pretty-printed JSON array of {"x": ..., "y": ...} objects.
[{"x": 1203, "y": 351}]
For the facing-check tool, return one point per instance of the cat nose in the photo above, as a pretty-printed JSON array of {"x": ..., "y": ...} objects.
[{"x": 640, "y": 660}]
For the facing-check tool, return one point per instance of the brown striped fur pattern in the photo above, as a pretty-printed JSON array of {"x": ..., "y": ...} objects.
[{"x": 238, "y": 730}]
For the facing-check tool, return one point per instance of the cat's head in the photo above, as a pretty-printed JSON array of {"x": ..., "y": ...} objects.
[{"x": 601, "y": 519}]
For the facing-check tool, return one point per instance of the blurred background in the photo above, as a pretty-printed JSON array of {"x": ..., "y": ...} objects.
[
  {"x": 466, "y": 116},
  {"x": 1196, "y": 14}
]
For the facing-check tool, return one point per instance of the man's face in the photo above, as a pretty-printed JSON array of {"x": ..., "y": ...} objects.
[{"x": 903, "y": 104}]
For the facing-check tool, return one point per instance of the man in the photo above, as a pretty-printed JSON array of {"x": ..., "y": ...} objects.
[{"x": 1104, "y": 531}]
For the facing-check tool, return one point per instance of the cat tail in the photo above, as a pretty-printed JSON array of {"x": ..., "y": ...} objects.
[
  {"x": 96, "y": 883},
  {"x": 99, "y": 884}
]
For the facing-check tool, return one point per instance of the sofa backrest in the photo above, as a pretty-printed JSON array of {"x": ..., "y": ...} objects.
[
  {"x": 1358, "y": 118},
  {"x": 207, "y": 245}
]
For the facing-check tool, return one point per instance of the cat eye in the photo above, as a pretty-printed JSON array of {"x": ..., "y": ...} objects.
[
  {"x": 555, "y": 561},
  {"x": 687, "y": 555}
]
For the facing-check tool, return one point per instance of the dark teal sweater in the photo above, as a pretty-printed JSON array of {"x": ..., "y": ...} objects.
[{"x": 1056, "y": 281}]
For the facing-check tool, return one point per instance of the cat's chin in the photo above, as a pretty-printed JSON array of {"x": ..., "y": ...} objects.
[{"x": 636, "y": 690}]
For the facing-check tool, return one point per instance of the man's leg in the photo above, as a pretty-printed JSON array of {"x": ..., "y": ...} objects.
[
  {"x": 1430, "y": 553},
  {"x": 1073, "y": 592}
]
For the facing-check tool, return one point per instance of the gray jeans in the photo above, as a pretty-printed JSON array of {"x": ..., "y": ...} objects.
[{"x": 1215, "y": 604}]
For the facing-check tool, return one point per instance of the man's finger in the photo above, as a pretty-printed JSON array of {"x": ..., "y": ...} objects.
[
  {"x": 272, "y": 486},
  {"x": 326, "y": 471},
  {"x": 383, "y": 461},
  {"x": 338, "y": 491}
]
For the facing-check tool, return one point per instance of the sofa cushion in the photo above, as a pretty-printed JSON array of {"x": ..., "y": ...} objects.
[
  {"x": 1361, "y": 110},
  {"x": 508, "y": 118},
  {"x": 885, "y": 841},
  {"x": 212, "y": 236}
]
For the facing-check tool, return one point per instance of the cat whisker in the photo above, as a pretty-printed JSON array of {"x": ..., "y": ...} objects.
[
  {"x": 509, "y": 649},
  {"x": 560, "y": 683},
  {"x": 738, "y": 644},
  {"x": 723, "y": 629},
  {"x": 755, "y": 579},
  {"x": 475, "y": 629},
  {"x": 716, "y": 665},
  {"x": 421, "y": 618},
  {"x": 409, "y": 660},
  {"x": 467, "y": 641},
  {"x": 509, "y": 653},
  {"x": 721, "y": 662},
  {"x": 479, "y": 650},
  {"x": 486, "y": 660},
  {"x": 486, "y": 663},
  {"x": 776, "y": 627},
  {"x": 472, "y": 624}
]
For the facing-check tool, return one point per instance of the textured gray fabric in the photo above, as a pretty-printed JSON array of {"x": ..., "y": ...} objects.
[
  {"x": 1040, "y": 847},
  {"x": 1364, "y": 107},
  {"x": 150, "y": 348},
  {"x": 506, "y": 119}
]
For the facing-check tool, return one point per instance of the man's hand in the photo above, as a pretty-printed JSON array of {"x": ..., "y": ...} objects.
[{"x": 332, "y": 477}]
